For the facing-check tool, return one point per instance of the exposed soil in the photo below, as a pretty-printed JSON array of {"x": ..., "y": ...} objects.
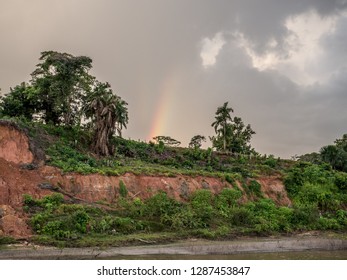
[{"x": 18, "y": 155}]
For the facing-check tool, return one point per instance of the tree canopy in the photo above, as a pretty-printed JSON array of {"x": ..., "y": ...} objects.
[
  {"x": 62, "y": 92},
  {"x": 232, "y": 134},
  {"x": 196, "y": 141},
  {"x": 167, "y": 141},
  {"x": 336, "y": 155}
]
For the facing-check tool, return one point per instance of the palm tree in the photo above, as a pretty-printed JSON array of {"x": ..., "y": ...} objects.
[
  {"x": 106, "y": 109},
  {"x": 122, "y": 116},
  {"x": 220, "y": 124}
]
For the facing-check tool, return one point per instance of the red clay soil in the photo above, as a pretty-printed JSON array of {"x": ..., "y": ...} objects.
[
  {"x": 14, "y": 145},
  {"x": 16, "y": 181}
]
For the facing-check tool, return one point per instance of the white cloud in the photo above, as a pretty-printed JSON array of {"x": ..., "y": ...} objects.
[
  {"x": 210, "y": 49},
  {"x": 303, "y": 46}
]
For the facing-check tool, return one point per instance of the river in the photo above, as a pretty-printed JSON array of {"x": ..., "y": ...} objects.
[{"x": 302, "y": 255}]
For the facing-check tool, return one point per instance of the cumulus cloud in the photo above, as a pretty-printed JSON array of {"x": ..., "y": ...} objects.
[{"x": 210, "y": 49}]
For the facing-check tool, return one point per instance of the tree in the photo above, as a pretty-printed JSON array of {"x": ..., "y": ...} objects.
[
  {"x": 232, "y": 134},
  {"x": 122, "y": 117},
  {"x": 62, "y": 81},
  {"x": 103, "y": 107},
  {"x": 336, "y": 155},
  {"x": 21, "y": 101},
  {"x": 196, "y": 141},
  {"x": 221, "y": 120},
  {"x": 342, "y": 143},
  {"x": 167, "y": 141}
]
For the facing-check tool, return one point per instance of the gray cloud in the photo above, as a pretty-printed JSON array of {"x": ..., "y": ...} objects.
[{"x": 151, "y": 48}]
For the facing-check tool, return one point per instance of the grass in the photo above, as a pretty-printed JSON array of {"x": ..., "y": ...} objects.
[{"x": 69, "y": 150}]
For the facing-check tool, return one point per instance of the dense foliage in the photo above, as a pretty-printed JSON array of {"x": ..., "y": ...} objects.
[
  {"x": 232, "y": 134},
  {"x": 63, "y": 93},
  {"x": 318, "y": 204}
]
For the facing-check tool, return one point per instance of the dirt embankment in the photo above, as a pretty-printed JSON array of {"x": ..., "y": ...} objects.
[{"x": 18, "y": 153}]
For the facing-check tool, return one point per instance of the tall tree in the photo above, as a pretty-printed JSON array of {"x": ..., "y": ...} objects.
[
  {"x": 221, "y": 120},
  {"x": 21, "y": 101},
  {"x": 62, "y": 81},
  {"x": 231, "y": 133},
  {"x": 196, "y": 141},
  {"x": 104, "y": 107}
]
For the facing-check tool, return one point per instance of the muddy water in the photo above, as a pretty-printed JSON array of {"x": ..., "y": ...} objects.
[{"x": 303, "y": 255}]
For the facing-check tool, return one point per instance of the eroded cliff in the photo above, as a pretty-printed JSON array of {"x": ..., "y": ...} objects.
[{"x": 22, "y": 172}]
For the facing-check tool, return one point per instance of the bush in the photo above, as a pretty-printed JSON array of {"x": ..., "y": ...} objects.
[
  {"x": 227, "y": 199},
  {"x": 305, "y": 216},
  {"x": 28, "y": 200},
  {"x": 271, "y": 161},
  {"x": 126, "y": 225},
  {"x": 160, "y": 204},
  {"x": 255, "y": 188},
  {"x": 241, "y": 216},
  {"x": 38, "y": 221},
  {"x": 79, "y": 221},
  {"x": 341, "y": 181},
  {"x": 184, "y": 219},
  {"x": 202, "y": 204},
  {"x": 7, "y": 240},
  {"x": 328, "y": 223}
]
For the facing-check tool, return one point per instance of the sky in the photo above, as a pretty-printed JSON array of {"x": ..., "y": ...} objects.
[{"x": 280, "y": 64}]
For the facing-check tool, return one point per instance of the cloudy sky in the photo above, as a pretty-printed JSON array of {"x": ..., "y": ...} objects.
[{"x": 280, "y": 64}]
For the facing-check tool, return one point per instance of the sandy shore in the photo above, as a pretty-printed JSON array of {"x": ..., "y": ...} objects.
[{"x": 189, "y": 247}]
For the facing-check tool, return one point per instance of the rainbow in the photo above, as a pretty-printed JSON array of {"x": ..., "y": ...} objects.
[{"x": 161, "y": 116}]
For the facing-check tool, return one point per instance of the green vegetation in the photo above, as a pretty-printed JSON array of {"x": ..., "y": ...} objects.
[
  {"x": 232, "y": 134},
  {"x": 62, "y": 93},
  {"x": 318, "y": 204},
  {"x": 196, "y": 141},
  {"x": 4, "y": 240}
]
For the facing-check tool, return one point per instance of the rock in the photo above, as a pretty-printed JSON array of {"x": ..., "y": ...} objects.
[
  {"x": 47, "y": 186},
  {"x": 29, "y": 166}
]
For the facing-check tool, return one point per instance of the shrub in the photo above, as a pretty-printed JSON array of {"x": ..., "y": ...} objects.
[
  {"x": 241, "y": 216},
  {"x": 183, "y": 219},
  {"x": 255, "y": 188},
  {"x": 55, "y": 199},
  {"x": 38, "y": 221},
  {"x": 328, "y": 223},
  {"x": 7, "y": 240},
  {"x": 341, "y": 180},
  {"x": 202, "y": 204},
  {"x": 305, "y": 216},
  {"x": 28, "y": 200},
  {"x": 125, "y": 225},
  {"x": 271, "y": 161},
  {"x": 79, "y": 221},
  {"x": 52, "y": 227},
  {"x": 160, "y": 204},
  {"x": 226, "y": 199}
]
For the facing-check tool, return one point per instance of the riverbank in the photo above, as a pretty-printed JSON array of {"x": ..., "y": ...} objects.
[{"x": 182, "y": 249}]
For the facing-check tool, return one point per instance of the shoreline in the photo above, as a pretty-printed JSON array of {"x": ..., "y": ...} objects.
[{"x": 184, "y": 248}]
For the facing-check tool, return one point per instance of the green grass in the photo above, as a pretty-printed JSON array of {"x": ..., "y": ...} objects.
[{"x": 69, "y": 149}]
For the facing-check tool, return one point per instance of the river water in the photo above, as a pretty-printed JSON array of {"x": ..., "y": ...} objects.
[{"x": 302, "y": 255}]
